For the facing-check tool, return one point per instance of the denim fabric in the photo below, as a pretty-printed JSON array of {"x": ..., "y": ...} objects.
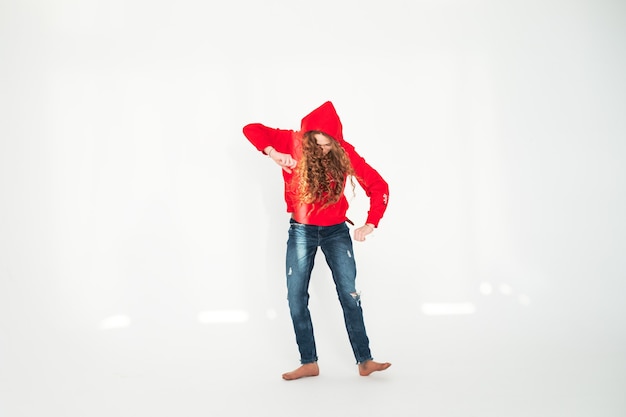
[{"x": 336, "y": 245}]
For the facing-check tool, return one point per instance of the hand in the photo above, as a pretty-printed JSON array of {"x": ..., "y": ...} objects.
[
  {"x": 283, "y": 159},
  {"x": 361, "y": 232}
]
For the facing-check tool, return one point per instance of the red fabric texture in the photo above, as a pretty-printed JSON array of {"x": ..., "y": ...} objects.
[{"x": 324, "y": 119}]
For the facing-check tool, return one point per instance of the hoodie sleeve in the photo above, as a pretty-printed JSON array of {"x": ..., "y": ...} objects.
[
  {"x": 375, "y": 187},
  {"x": 262, "y": 136}
]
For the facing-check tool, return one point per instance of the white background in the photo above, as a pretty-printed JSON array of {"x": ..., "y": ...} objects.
[{"x": 142, "y": 237}]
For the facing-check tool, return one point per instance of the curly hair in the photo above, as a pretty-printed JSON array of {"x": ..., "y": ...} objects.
[{"x": 321, "y": 178}]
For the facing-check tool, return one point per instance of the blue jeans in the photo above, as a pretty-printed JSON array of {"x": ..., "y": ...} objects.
[{"x": 336, "y": 245}]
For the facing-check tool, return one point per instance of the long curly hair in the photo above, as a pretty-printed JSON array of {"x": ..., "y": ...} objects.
[{"x": 322, "y": 178}]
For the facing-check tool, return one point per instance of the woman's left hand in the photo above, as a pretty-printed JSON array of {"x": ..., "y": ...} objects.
[{"x": 361, "y": 232}]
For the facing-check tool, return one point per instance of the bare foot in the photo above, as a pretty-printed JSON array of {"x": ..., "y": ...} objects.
[
  {"x": 308, "y": 369},
  {"x": 367, "y": 367}
]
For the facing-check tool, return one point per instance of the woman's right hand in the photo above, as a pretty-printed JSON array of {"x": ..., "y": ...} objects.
[{"x": 283, "y": 159}]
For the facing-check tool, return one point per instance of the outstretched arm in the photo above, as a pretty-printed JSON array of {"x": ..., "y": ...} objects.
[
  {"x": 275, "y": 143},
  {"x": 375, "y": 187}
]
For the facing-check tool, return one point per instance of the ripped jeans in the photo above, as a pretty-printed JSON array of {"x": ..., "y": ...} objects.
[{"x": 336, "y": 245}]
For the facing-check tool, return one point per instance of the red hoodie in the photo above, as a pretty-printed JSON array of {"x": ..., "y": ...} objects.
[{"x": 326, "y": 120}]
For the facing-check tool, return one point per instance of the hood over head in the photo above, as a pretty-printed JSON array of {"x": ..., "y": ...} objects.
[{"x": 324, "y": 119}]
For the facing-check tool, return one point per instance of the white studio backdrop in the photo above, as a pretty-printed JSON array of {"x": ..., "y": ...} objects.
[{"x": 135, "y": 213}]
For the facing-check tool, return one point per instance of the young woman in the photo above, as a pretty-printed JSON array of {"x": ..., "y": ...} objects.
[{"x": 317, "y": 163}]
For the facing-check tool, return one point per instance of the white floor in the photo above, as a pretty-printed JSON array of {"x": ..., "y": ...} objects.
[{"x": 511, "y": 362}]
